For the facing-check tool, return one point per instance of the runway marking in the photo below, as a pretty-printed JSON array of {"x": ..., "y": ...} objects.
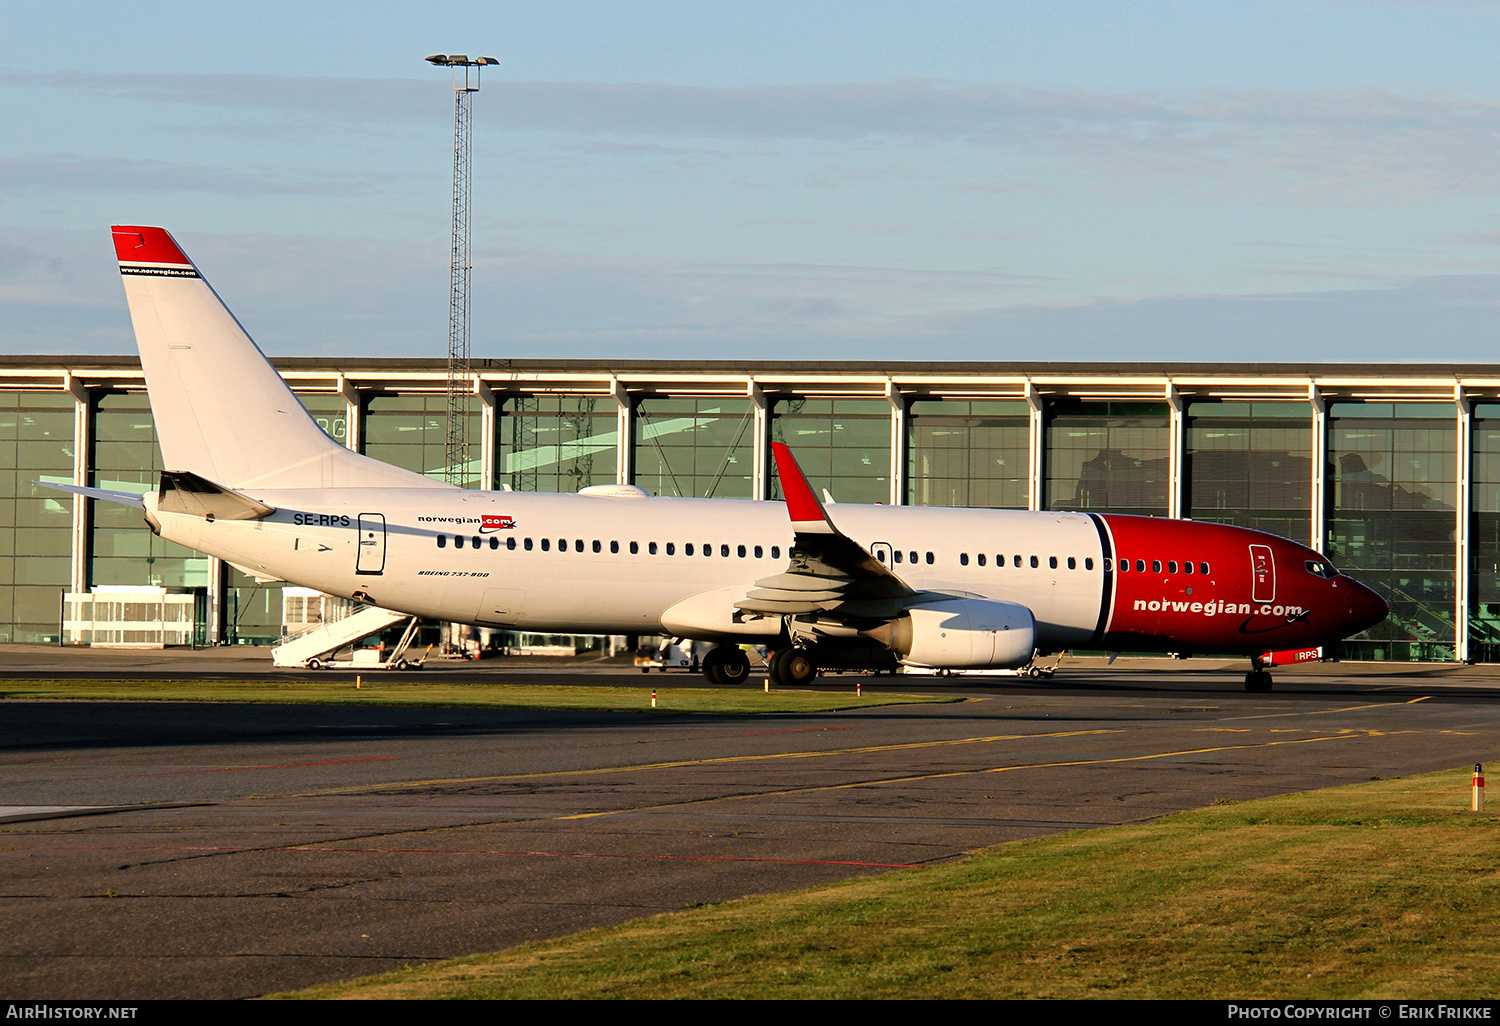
[
  {"x": 683, "y": 763},
  {"x": 331, "y": 850},
  {"x": 961, "y": 773}
]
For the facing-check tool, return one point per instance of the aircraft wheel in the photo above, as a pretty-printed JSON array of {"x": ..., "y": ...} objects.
[
  {"x": 315, "y": 664},
  {"x": 798, "y": 668},
  {"x": 1257, "y": 680},
  {"x": 399, "y": 664},
  {"x": 713, "y": 672},
  {"x": 645, "y": 669},
  {"x": 737, "y": 669}
]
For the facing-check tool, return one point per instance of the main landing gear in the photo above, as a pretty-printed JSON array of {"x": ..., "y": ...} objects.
[
  {"x": 792, "y": 668},
  {"x": 726, "y": 665}
]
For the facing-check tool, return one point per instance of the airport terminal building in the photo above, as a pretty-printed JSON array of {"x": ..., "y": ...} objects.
[{"x": 1392, "y": 471}]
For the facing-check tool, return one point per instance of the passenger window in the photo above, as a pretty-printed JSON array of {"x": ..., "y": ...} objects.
[
  {"x": 1124, "y": 566},
  {"x": 635, "y": 548},
  {"x": 1140, "y": 566},
  {"x": 1052, "y": 562},
  {"x": 578, "y": 545},
  {"x": 1072, "y": 563},
  {"x": 1171, "y": 566},
  {"x": 478, "y": 541},
  {"x": 760, "y": 553},
  {"x": 599, "y": 548},
  {"x": 1187, "y": 566},
  {"x": 651, "y": 548},
  {"x": 442, "y": 541},
  {"x": 775, "y": 551},
  {"x": 494, "y": 542},
  {"x": 1035, "y": 562},
  {"x": 510, "y": 543},
  {"x": 1018, "y": 561},
  {"x": 914, "y": 555},
  {"x": 739, "y": 551},
  {"x": 546, "y": 545},
  {"x": 562, "y": 545},
  {"x": 687, "y": 550},
  {"x": 528, "y": 544},
  {"x": 963, "y": 559},
  {"x": 458, "y": 541},
  {"x": 1203, "y": 568},
  {"x": 980, "y": 557},
  {"x": 929, "y": 559},
  {"x": 1088, "y": 563},
  {"x": 1156, "y": 566},
  {"x": 896, "y": 555},
  {"x": 672, "y": 549}
]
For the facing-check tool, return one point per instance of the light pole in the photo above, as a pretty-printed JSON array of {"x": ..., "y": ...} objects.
[{"x": 456, "y": 450}]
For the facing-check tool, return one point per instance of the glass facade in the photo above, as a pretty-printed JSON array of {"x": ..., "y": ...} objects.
[
  {"x": 36, "y": 443},
  {"x": 1250, "y": 464},
  {"x": 1108, "y": 456},
  {"x": 126, "y": 458},
  {"x": 1392, "y": 501},
  {"x": 1390, "y": 483},
  {"x": 411, "y": 431},
  {"x": 968, "y": 453},
  {"x": 703, "y": 448},
  {"x": 1484, "y": 536},
  {"x": 557, "y": 443},
  {"x": 843, "y": 445}
]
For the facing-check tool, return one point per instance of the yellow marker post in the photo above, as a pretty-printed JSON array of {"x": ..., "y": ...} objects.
[
  {"x": 359, "y": 681},
  {"x": 1479, "y": 787}
]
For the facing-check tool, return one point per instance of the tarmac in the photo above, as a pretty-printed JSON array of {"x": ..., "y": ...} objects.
[{"x": 219, "y": 850}]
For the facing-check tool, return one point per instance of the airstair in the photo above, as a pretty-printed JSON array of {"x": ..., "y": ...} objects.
[{"x": 316, "y": 648}]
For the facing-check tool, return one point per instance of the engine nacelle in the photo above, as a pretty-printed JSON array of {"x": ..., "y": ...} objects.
[{"x": 965, "y": 634}]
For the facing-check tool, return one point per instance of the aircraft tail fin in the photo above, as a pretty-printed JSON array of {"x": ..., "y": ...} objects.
[{"x": 222, "y": 412}]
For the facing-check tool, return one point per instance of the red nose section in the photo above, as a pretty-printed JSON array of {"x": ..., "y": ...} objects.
[{"x": 1366, "y": 609}]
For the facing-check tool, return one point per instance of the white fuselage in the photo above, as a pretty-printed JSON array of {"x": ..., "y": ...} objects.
[{"x": 634, "y": 565}]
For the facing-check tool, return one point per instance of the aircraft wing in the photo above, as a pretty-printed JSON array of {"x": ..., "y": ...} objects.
[{"x": 829, "y": 572}]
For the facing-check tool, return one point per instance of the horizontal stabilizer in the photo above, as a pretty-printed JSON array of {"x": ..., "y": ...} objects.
[
  {"x": 102, "y": 494},
  {"x": 191, "y": 494}
]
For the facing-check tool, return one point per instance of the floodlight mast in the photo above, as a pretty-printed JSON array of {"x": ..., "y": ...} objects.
[{"x": 460, "y": 381}]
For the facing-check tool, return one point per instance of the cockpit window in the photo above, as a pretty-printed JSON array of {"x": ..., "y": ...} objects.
[{"x": 1321, "y": 568}]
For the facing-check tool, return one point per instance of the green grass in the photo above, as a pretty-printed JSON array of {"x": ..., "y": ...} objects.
[
  {"x": 488, "y": 696},
  {"x": 1380, "y": 890}
]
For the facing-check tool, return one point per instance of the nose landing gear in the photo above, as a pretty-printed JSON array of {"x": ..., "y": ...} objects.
[{"x": 1257, "y": 679}]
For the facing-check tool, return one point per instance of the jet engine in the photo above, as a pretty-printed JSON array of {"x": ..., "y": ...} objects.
[{"x": 962, "y": 634}]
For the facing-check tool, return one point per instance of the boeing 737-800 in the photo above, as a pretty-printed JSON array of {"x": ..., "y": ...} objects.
[{"x": 250, "y": 478}]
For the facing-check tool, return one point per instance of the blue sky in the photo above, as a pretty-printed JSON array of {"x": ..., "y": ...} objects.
[{"x": 1207, "y": 181}]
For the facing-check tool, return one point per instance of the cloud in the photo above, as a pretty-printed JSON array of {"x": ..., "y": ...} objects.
[
  {"x": 1353, "y": 142},
  {"x": 69, "y": 172}
]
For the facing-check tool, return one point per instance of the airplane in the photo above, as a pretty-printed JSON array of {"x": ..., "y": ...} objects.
[{"x": 252, "y": 479}]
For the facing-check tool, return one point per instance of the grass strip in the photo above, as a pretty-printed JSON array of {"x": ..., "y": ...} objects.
[
  {"x": 484, "y": 696},
  {"x": 1382, "y": 890}
]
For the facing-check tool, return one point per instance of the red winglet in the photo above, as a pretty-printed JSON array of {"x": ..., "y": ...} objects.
[
  {"x": 803, "y": 507},
  {"x": 140, "y": 245}
]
